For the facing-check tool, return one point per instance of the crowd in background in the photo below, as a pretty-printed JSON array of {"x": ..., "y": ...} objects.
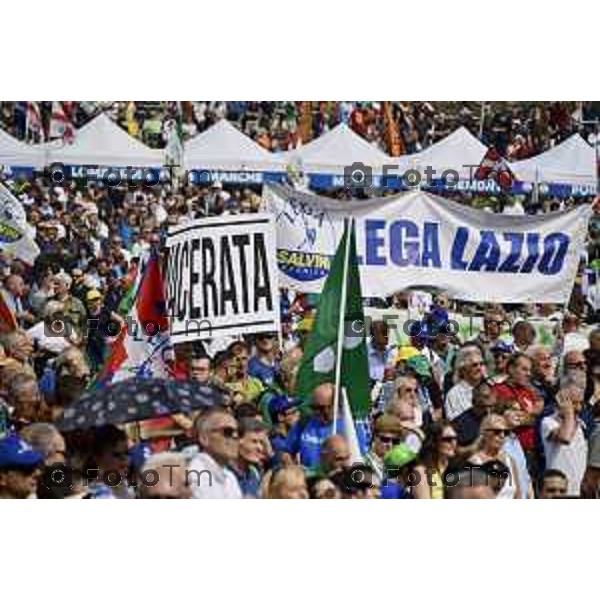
[
  {"x": 499, "y": 413},
  {"x": 517, "y": 129}
]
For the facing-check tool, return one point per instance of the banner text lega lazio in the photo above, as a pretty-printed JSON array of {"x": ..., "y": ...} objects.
[
  {"x": 221, "y": 275},
  {"x": 407, "y": 244},
  {"x": 417, "y": 240}
]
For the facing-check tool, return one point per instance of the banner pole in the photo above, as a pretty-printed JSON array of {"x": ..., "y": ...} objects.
[
  {"x": 340, "y": 341},
  {"x": 481, "y": 118}
]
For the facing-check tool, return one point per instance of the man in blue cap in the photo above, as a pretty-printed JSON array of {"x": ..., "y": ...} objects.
[
  {"x": 284, "y": 414},
  {"x": 20, "y": 466}
]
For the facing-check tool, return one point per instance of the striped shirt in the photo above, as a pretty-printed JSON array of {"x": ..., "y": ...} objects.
[{"x": 458, "y": 400}]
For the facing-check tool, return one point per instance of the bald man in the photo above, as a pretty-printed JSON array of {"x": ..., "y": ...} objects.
[
  {"x": 307, "y": 436},
  {"x": 13, "y": 292},
  {"x": 335, "y": 454}
]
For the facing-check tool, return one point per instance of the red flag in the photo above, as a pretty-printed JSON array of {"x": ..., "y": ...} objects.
[
  {"x": 140, "y": 352},
  {"x": 8, "y": 322},
  {"x": 493, "y": 166},
  {"x": 60, "y": 125},
  {"x": 34, "y": 128}
]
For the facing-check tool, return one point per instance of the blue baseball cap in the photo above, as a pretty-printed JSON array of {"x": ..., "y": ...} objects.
[
  {"x": 16, "y": 453},
  {"x": 502, "y": 347},
  {"x": 279, "y": 404}
]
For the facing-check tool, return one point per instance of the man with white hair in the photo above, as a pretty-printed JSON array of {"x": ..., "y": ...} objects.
[
  {"x": 210, "y": 475},
  {"x": 164, "y": 476},
  {"x": 470, "y": 370},
  {"x": 52, "y": 333},
  {"x": 74, "y": 310},
  {"x": 13, "y": 291}
]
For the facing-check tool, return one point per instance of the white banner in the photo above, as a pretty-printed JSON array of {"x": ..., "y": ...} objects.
[
  {"x": 416, "y": 240},
  {"x": 222, "y": 277},
  {"x": 15, "y": 234}
]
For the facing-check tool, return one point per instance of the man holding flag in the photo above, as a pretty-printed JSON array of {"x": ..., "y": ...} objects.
[{"x": 334, "y": 372}]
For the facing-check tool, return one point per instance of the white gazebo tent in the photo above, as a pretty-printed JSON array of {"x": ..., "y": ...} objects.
[
  {"x": 336, "y": 149},
  {"x": 223, "y": 147},
  {"x": 15, "y": 153},
  {"x": 102, "y": 142},
  {"x": 456, "y": 151},
  {"x": 572, "y": 162}
]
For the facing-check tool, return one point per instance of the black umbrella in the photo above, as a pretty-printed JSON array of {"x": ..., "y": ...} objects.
[{"x": 137, "y": 400}]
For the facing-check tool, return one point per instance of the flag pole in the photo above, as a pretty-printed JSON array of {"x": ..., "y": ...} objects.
[
  {"x": 481, "y": 119},
  {"x": 340, "y": 341}
]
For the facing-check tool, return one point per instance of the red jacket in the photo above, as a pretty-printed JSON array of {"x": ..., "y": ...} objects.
[{"x": 525, "y": 398}]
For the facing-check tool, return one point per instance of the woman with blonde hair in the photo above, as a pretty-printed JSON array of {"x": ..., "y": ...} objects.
[
  {"x": 288, "y": 483},
  {"x": 492, "y": 434}
]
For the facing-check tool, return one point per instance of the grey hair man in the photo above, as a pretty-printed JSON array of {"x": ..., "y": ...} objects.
[
  {"x": 46, "y": 439},
  {"x": 470, "y": 370},
  {"x": 210, "y": 475},
  {"x": 164, "y": 476}
]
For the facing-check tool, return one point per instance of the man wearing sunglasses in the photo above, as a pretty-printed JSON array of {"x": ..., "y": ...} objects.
[
  {"x": 209, "y": 474},
  {"x": 388, "y": 432},
  {"x": 471, "y": 371},
  {"x": 307, "y": 436},
  {"x": 493, "y": 321}
]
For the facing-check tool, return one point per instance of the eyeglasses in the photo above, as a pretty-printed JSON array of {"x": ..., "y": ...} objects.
[
  {"x": 492, "y": 322},
  {"x": 387, "y": 439},
  {"x": 581, "y": 365},
  {"x": 228, "y": 432},
  {"x": 475, "y": 364},
  {"x": 499, "y": 432}
]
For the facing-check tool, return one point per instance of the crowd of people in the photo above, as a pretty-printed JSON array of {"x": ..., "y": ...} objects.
[
  {"x": 517, "y": 129},
  {"x": 498, "y": 415}
]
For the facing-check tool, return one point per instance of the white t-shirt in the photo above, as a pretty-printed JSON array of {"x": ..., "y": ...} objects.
[
  {"x": 570, "y": 458},
  {"x": 458, "y": 400},
  {"x": 54, "y": 344},
  {"x": 221, "y": 484}
]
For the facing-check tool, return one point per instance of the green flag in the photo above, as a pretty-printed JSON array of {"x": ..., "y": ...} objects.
[{"x": 319, "y": 360}]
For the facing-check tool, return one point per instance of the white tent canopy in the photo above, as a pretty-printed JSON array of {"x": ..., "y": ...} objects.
[
  {"x": 455, "y": 151},
  {"x": 14, "y": 153},
  {"x": 102, "y": 142},
  {"x": 223, "y": 147},
  {"x": 572, "y": 162},
  {"x": 336, "y": 149}
]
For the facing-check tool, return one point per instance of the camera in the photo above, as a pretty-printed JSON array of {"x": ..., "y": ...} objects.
[
  {"x": 358, "y": 175},
  {"x": 58, "y": 325},
  {"x": 58, "y": 476}
]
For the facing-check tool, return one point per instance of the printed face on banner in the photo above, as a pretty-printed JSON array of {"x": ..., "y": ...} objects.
[{"x": 222, "y": 277}]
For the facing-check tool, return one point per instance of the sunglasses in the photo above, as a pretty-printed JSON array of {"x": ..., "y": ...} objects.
[
  {"x": 499, "y": 323},
  {"x": 577, "y": 365},
  {"x": 500, "y": 432},
  {"x": 475, "y": 364},
  {"x": 386, "y": 439},
  {"x": 449, "y": 438},
  {"x": 228, "y": 432}
]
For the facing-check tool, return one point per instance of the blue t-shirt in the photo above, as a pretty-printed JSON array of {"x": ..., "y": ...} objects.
[
  {"x": 266, "y": 373},
  {"x": 305, "y": 438}
]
